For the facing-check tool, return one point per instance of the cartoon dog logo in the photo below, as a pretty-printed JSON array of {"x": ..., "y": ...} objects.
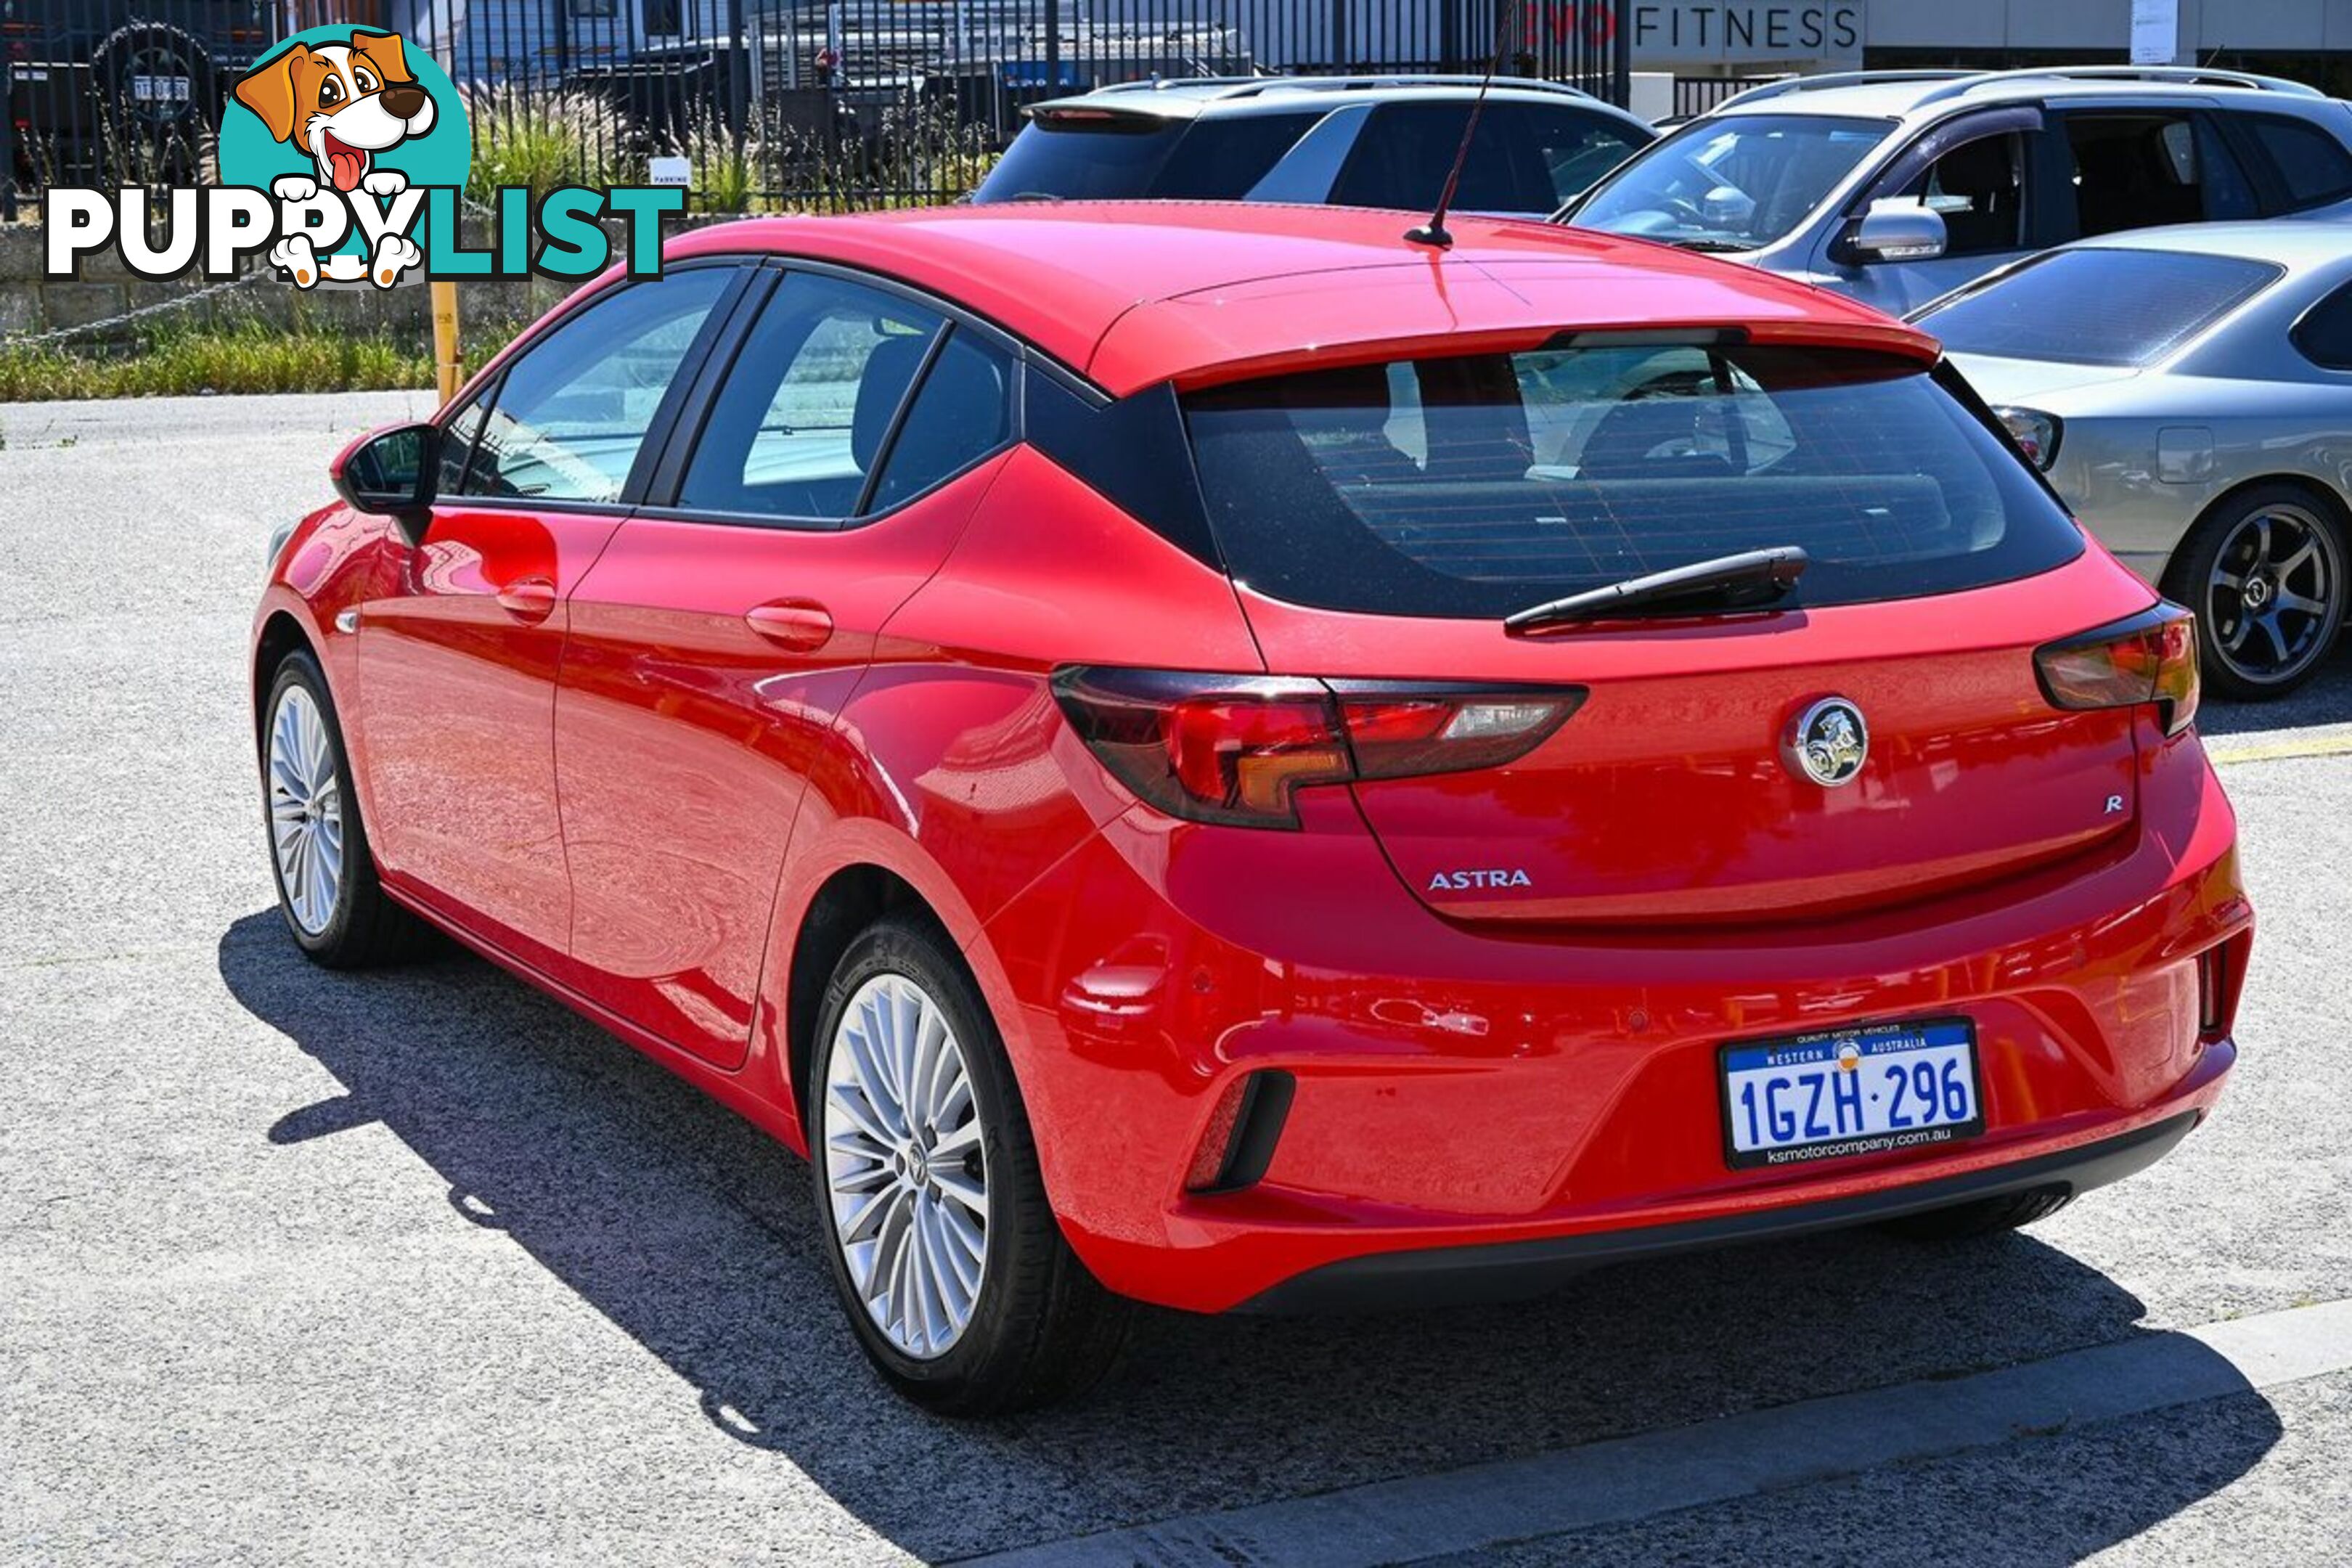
[{"x": 343, "y": 104}]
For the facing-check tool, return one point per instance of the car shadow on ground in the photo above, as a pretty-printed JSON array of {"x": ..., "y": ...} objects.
[{"x": 690, "y": 1230}]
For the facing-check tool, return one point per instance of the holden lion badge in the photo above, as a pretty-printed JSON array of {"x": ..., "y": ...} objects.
[{"x": 1828, "y": 742}]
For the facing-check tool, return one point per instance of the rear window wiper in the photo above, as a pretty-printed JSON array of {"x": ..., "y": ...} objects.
[{"x": 1753, "y": 580}]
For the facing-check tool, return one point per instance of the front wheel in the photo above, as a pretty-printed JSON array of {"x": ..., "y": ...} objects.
[
  {"x": 327, "y": 886},
  {"x": 948, "y": 1259},
  {"x": 2265, "y": 574}
]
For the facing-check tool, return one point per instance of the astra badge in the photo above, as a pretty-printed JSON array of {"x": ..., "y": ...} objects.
[
  {"x": 1828, "y": 742},
  {"x": 1463, "y": 882}
]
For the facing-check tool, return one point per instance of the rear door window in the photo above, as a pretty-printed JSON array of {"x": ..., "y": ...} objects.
[
  {"x": 2313, "y": 167},
  {"x": 813, "y": 397},
  {"x": 1475, "y": 486},
  {"x": 962, "y": 412},
  {"x": 2143, "y": 168},
  {"x": 2095, "y": 306}
]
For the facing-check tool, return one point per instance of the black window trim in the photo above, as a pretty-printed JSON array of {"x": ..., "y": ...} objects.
[
  {"x": 659, "y": 503},
  {"x": 718, "y": 330},
  {"x": 2340, "y": 295}
]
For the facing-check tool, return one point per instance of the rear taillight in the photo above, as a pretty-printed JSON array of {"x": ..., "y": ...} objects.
[
  {"x": 1236, "y": 749},
  {"x": 2149, "y": 657}
]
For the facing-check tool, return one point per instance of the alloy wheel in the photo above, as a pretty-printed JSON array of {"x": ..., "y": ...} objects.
[
  {"x": 906, "y": 1166},
  {"x": 306, "y": 810},
  {"x": 2270, "y": 601}
]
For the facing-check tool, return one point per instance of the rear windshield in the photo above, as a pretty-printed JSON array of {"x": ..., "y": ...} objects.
[
  {"x": 1130, "y": 156},
  {"x": 1475, "y": 486},
  {"x": 2096, "y": 306}
]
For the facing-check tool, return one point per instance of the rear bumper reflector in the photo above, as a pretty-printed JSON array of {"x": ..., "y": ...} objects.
[{"x": 1259, "y": 1103}]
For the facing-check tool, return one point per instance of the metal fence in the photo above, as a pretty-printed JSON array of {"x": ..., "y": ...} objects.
[
  {"x": 1696, "y": 95},
  {"x": 829, "y": 104}
]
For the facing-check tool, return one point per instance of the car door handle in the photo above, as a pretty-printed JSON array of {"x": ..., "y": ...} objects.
[
  {"x": 795, "y": 624},
  {"x": 531, "y": 599}
]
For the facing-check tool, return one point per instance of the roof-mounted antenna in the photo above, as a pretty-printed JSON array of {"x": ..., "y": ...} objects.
[{"x": 1433, "y": 233}]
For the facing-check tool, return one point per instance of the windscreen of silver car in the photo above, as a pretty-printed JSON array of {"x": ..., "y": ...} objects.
[
  {"x": 1735, "y": 184},
  {"x": 2098, "y": 307},
  {"x": 1476, "y": 486}
]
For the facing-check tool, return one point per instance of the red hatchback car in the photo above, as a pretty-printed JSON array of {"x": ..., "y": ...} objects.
[{"x": 1215, "y": 756}]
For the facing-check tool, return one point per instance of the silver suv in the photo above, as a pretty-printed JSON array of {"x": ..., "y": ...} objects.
[
  {"x": 1368, "y": 142},
  {"x": 1899, "y": 186}
]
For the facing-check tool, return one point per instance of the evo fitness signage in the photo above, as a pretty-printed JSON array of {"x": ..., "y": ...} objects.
[{"x": 343, "y": 159}]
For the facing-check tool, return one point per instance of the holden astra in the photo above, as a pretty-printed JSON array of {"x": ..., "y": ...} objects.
[{"x": 1223, "y": 757}]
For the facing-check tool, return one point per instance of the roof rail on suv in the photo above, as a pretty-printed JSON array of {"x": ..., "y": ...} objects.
[
  {"x": 1958, "y": 83},
  {"x": 1161, "y": 84},
  {"x": 1781, "y": 89},
  {"x": 2180, "y": 76},
  {"x": 1236, "y": 87}
]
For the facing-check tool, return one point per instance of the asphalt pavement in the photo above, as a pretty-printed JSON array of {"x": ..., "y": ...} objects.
[{"x": 417, "y": 1267}]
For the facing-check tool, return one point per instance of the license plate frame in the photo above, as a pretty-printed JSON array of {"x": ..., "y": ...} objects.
[{"x": 1873, "y": 1041}]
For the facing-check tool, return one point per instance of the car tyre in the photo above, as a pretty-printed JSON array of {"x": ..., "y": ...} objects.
[
  {"x": 327, "y": 890},
  {"x": 1983, "y": 1216},
  {"x": 1010, "y": 1323},
  {"x": 2266, "y": 574}
]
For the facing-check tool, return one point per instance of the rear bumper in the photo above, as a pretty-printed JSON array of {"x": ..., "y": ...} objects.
[
  {"x": 1447, "y": 1275},
  {"x": 1464, "y": 1096}
]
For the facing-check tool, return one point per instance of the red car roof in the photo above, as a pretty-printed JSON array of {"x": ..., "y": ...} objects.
[{"x": 1133, "y": 293}]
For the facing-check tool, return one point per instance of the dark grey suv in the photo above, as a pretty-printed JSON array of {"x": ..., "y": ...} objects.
[{"x": 1382, "y": 141}]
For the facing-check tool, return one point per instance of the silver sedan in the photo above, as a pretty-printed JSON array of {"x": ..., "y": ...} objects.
[{"x": 2188, "y": 392}]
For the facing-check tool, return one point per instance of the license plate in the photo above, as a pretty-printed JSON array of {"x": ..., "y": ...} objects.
[
  {"x": 1837, "y": 1092},
  {"x": 161, "y": 89}
]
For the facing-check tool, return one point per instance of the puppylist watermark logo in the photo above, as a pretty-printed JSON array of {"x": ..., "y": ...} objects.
[{"x": 343, "y": 160}]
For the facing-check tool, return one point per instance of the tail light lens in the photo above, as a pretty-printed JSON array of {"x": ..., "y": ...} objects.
[
  {"x": 2035, "y": 433},
  {"x": 2148, "y": 657},
  {"x": 1236, "y": 749}
]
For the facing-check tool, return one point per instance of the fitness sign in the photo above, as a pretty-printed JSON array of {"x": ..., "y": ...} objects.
[{"x": 344, "y": 157}]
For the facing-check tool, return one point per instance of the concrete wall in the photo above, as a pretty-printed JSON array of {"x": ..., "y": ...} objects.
[{"x": 2266, "y": 24}]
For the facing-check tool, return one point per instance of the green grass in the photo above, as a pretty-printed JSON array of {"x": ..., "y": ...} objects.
[{"x": 247, "y": 357}]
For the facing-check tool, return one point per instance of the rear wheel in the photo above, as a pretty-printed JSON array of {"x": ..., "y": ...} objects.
[
  {"x": 327, "y": 886},
  {"x": 2265, "y": 574},
  {"x": 1985, "y": 1216},
  {"x": 954, "y": 1275}
]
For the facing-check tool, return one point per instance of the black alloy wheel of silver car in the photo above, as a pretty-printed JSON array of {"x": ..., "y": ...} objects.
[{"x": 2265, "y": 574}]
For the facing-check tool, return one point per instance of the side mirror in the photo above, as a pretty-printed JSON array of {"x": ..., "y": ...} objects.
[
  {"x": 390, "y": 474},
  {"x": 1897, "y": 229}
]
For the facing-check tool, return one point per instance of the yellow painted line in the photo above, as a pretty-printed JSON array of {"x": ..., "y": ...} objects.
[{"x": 2223, "y": 754}]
